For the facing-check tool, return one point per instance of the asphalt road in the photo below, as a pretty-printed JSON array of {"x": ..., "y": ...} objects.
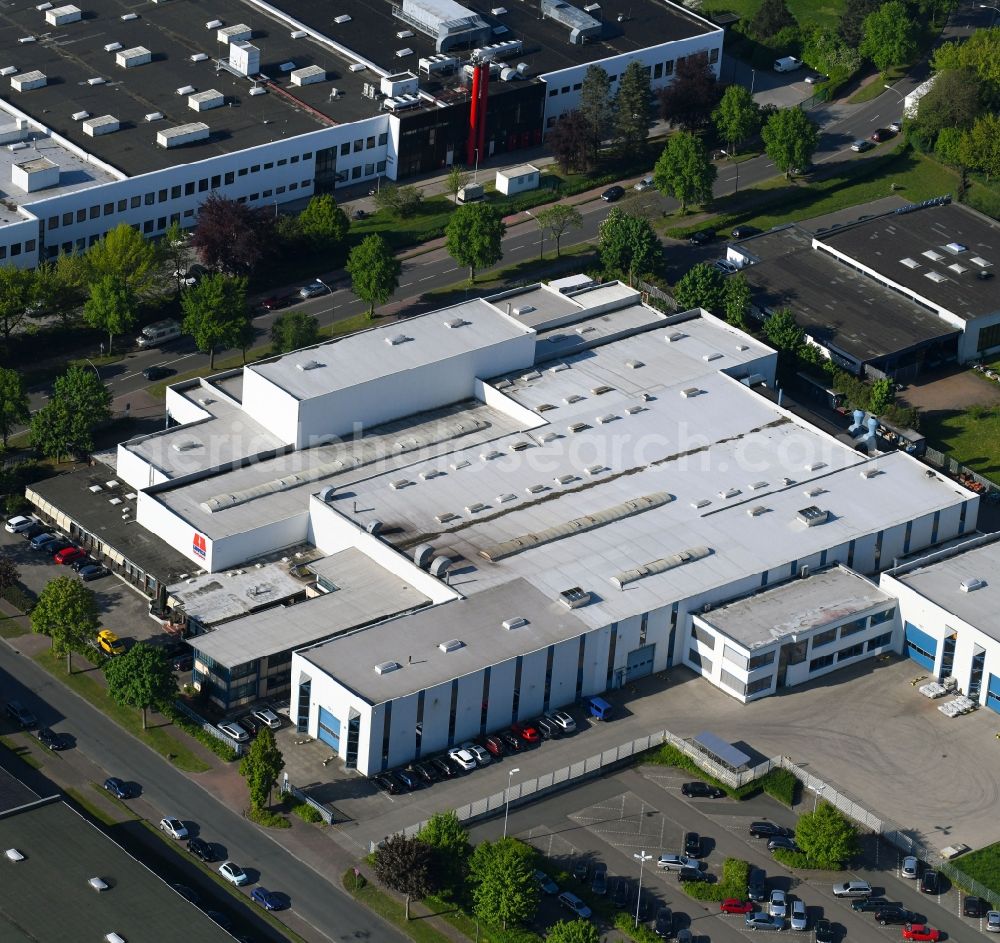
[{"x": 315, "y": 898}]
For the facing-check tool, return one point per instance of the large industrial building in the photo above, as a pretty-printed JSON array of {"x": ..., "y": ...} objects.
[
  {"x": 135, "y": 116},
  {"x": 498, "y": 508},
  {"x": 890, "y": 294}
]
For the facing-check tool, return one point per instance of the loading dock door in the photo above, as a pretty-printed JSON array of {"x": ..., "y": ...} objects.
[
  {"x": 920, "y": 646},
  {"x": 640, "y": 663},
  {"x": 329, "y": 728}
]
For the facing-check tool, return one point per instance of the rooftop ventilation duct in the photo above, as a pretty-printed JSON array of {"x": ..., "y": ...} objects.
[
  {"x": 515, "y": 623},
  {"x": 12, "y": 854},
  {"x": 574, "y": 597},
  {"x": 660, "y": 566},
  {"x": 374, "y": 528},
  {"x": 386, "y": 666},
  {"x": 98, "y": 884},
  {"x": 812, "y": 515},
  {"x": 446, "y": 22},
  {"x": 440, "y": 567},
  {"x": 422, "y": 555},
  {"x": 582, "y": 26},
  {"x": 971, "y": 584},
  {"x": 452, "y": 645}
]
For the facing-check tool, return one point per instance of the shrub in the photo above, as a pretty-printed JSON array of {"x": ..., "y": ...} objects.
[
  {"x": 798, "y": 859},
  {"x": 641, "y": 934},
  {"x": 303, "y": 810},
  {"x": 783, "y": 785},
  {"x": 268, "y": 819},
  {"x": 733, "y": 882},
  {"x": 20, "y": 598},
  {"x": 219, "y": 747}
]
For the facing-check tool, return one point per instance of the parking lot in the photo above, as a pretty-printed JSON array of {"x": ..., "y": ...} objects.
[{"x": 610, "y": 821}]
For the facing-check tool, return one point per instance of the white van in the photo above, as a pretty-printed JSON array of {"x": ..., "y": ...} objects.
[
  {"x": 787, "y": 64},
  {"x": 159, "y": 333}
]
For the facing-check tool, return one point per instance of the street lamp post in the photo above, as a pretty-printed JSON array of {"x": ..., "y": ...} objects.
[
  {"x": 818, "y": 791},
  {"x": 753, "y": 80},
  {"x": 643, "y": 858},
  {"x": 506, "y": 806}
]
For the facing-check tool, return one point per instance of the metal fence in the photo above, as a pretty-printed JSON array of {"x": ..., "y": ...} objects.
[
  {"x": 327, "y": 814},
  {"x": 948, "y": 465},
  {"x": 209, "y": 727},
  {"x": 657, "y": 296}
]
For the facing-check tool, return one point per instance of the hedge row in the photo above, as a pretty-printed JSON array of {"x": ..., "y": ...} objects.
[
  {"x": 20, "y": 598},
  {"x": 799, "y": 859},
  {"x": 219, "y": 747},
  {"x": 625, "y": 923},
  {"x": 733, "y": 883}
]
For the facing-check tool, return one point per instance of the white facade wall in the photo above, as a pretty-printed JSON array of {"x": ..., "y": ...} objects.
[
  {"x": 158, "y": 519},
  {"x": 135, "y": 470},
  {"x": 501, "y": 700},
  {"x": 531, "y": 702},
  {"x": 436, "y": 719},
  {"x": 274, "y": 408},
  {"x": 229, "y": 552},
  {"x": 562, "y": 82},
  {"x": 19, "y": 243},
  {"x": 469, "y": 706}
]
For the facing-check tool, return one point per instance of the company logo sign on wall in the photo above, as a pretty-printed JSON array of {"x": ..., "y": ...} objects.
[{"x": 199, "y": 545}]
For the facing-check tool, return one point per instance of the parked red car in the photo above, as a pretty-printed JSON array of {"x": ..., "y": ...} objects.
[
  {"x": 68, "y": 555},
  {"x": 527, "y": 732},
  {"x": 921, "y": 932},
  {"x": 733, "y": 905},
  {"x": 492, "y": 743}
]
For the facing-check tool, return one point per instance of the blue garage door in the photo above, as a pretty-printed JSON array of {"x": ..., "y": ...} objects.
[
  {"x": 329, "y": 728},
  {"x": 640, "y": 662},
  {"x": 920, "y": 646},
  {"x": 993, "y": 694}
]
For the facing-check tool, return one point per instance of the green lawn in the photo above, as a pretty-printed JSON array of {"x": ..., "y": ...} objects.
[
  {"x": 9, "y": 628},
  {"x": 807, "y": 12},
  {"x": 160, "y": 738},
  {"x": 390, "y": 910},
  {"x": 983, "y": 866},
  {"x": 971, "y": 438}
]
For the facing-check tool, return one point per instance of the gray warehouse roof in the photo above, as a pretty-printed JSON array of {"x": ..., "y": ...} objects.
[
  {"x": 834, "y": 304},
  {"x": 798, "y": 606},
  {"x": 47, "y": 897},
  {"x": 936, "y": 252}
]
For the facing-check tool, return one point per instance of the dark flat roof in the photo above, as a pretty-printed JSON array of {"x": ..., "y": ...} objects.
[
  {"x": 372, "y": 30},
  {"x": 882, "y": 243},
  {"x": 93, "y": 512},
  {"x": 13, "y": 793},
  {"x": 834, "y": 304},
  {"x": 47, "y": 896},
  {"x": 173, "y": 32}
]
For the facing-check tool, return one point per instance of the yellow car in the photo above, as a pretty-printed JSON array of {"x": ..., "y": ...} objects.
[{"x": 109, "y": 643}]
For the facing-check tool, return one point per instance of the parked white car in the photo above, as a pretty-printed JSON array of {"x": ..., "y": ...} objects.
[
  {"x": 232, "y": 729},
  {"x": 175, "y": 828},
  {"x": 481, "y": 754},
  {"x": 799, "y": 916},
  {"x": 233, "y": 873},
  {"x": 562, "y": 720},
  {"x": 910, "y": 868},
  {"x": 777, "y": 905},
  {"x": 18, "y": 524},
  {"x": 267, "y": 716},
  {"x": 676, "y": 862},
  {"x": 645, "y": 184},
  {"x": 462, "y": 758}
]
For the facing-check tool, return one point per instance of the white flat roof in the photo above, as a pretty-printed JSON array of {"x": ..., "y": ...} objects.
[
  {"x": 360, "y": 358},
  {"x": 940, "y": 581},
  {"x": 217, "y": 597},
  {"x": 366, "y": 593},
  {"x": 795, "y": 607}
]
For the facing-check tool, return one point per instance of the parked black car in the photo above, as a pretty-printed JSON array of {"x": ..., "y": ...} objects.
[
  {"x": 888, "y": 915},
  {"x": 741, "y": 232},
  {"x": 599, "y": 884},
  {"x": 156, "y": 372},
  {"x": 621, "y": 894},
  {"x": 445, "y": 768},
  {"x": 824, "y": 931},
  {"x": 767, "y": 830},
  {"x": 975, "y": 907},
  {"x": 408, "y": 777},
  {"x": 118, "y": 788},
  {"x": 701, "y": 237},
  {"x": 33, "y": 531},
  {"x": 930, "y": 882},
  {"x": 612, "y": 194},
  {"x": 201, "y": 849},
  {"x": 387, "y": 784},
  {"x": 692, "y": 845},
  {"x": 664, "y": 925},
  {"x": 428, "y": 773},
  {"x": 782, "y": 841},
  {"x": 870, "y": 904},
  {"x": 49, "y": 738},
  {"x": 757, "y": 885},
  {"x": 20, "y": 714},
  {"x": 511, "y": 740},
  {"x": 700, "y": 790},
  {"x": 691, "y": 874}
]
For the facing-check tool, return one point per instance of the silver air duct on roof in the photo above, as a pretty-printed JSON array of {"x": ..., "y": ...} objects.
[
  {"x": 582, "y": 26},
  {"x": 362, "y": 453},
  {"x": 660, "y": 566},
  {"x": 578, "y": 525},
  {"x": 448, "y": 23}
]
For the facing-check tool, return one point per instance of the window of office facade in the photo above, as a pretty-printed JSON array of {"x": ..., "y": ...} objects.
[{"x": 702, "y": 635}]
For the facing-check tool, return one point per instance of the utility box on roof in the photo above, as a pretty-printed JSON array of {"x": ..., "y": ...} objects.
[
  {"x": 518, "y": 179},
  {"x": 244, "y": 57},
  {"x": 130, "y": 58},
  {"x": 229, "y": 34},
  {"x": 104, "y": 124},
  {"x": 60, "y": 16},
  {"x": 182, "y": 134},
  {"x": 37, "y": 174},
  {"x": 309, "y": 75},
  {"x": 26, "y": 81},
  {"x": 402, "y": 83},
  {"x": 207, "y": 100}
]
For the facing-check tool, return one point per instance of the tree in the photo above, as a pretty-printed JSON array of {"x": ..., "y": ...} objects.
[
  {"x": 374, "y": 271},
  {"x": 952, "y": 148},
  {"x": 688, "y": 101},
  {"x": 456, "y": 179},
  {"x": 736, "y": 298},
  {"x": 595, "y": 106},
  {"x": 980, "y": 53},
  {"x": 124, "y": 256},
  {"x": 324, "y": 223},
  {"x": 736, "y": 118},
  {"x": 782, "y": 330},
  {"x": 111, "y": 307},
  {"x": 406, "y": 866},
  {"x": 569, "y": 142},
  {"x": 400, "y": 201},
  {"x": 953, "y": 101},
  {"x": 141, "y": 678},
  {"x": 65, "y": 425},
  {"x": 700, "y": 287},
  {"x": 684, "y": 170},
  {"x": 881, "y": 396},
  {"x": 450, "y": 843},
  {"x": 790, "y": 139},
  {"x": 771, "y": 18},
  {"x": 59, "y": 289},
  {"x": 215, "y": 312},
  {"x": 260, "y": 767},
  {"x": 17, "y": 287},
  {"x": 293, "y": 331},
  {"x": 983, "y": 145},
  {"x": 825, "y": 49},
  {"x": 628, "y": 245},
  {"x": 505, "y": 887},
  {"x": 9, "y": 574},
  {"x": 826, "y": 836},
  {"x": 890, "y": 36},
  {"x": 573, "y": 931},
  {"x": 474, "y": 236},
  {"x": 14, "y": 408},
  {"x": 173, "y": 253},
  {"x": 231, "y": 236},
  {"x": 633, "y": 107},
  {"x": 556, "y": 220},
  {"x": 852, "y": 21},
  {"x": 66, "y": 611}
]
